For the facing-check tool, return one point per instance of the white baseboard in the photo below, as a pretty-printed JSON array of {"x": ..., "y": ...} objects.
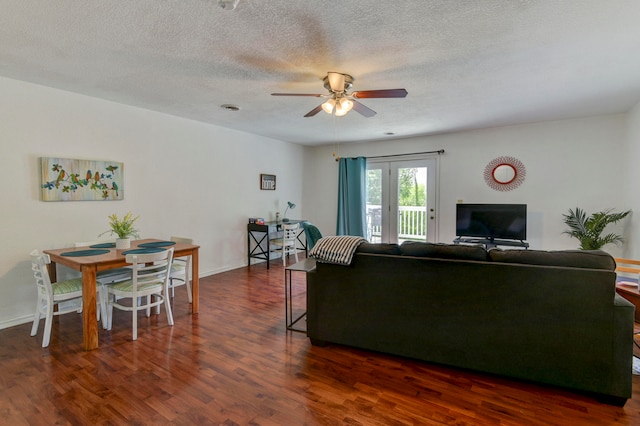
[
  {"x": 16, "y": 321},
  {"x": 29, "y": 318}
]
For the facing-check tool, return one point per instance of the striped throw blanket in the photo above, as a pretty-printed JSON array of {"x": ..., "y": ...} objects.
[{"x": 338, "y": 249}]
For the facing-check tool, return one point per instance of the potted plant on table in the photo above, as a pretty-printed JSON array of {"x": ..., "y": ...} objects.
[
  {"x": 123, "y": 228},
  {"x": 588, "y": 229}
]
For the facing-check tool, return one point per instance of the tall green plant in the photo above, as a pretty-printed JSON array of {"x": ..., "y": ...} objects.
[{"x": 588, "y": 229}]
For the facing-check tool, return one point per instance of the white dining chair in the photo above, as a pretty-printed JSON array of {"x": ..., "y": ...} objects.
[
  {"x": 55, "y": 294},
  {"x": 149, "y": 285},
  {"x": 287, "y": 244},
  {"x": 180, "y": 270},
  {"x": 106, "y": 277}
]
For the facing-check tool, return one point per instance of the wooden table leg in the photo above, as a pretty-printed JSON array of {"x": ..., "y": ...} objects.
[
  {"x": 195, "y": 283},
  {"x": 53, "y": 271},
  {"x": 89, "y": 305},
  {"x": 53, "y": 277}
]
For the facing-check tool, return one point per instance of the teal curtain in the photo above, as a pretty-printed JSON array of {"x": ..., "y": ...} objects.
[{"x": 352, "y": 197}]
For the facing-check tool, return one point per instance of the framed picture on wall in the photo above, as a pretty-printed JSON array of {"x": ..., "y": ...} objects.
[
  {"x": 65, "y": 179},
  {"x": 268, "y": 182}
]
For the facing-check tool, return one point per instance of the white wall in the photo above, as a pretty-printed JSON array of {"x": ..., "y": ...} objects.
[
  {"x": 182, "y": 177},
  {"x": 632, "y": 183},
  {"x": 192, "y": 179},
  {"x": 569, "y": 163}
]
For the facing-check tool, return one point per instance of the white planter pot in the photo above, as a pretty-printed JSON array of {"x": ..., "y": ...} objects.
[{"x": 123, "y": 243}]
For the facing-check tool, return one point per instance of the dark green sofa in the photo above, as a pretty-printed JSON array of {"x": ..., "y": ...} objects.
[{"x": 549, "y": 317}]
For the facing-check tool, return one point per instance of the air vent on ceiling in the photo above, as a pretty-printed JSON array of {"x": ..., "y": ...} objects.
[{"x": 230, "y": 107}]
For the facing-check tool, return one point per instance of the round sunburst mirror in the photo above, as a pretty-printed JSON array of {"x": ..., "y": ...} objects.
[{"x": 504, "y": 173}]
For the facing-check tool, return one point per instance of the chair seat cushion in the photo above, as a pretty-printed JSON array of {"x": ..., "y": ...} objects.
[
  {"x": 143, "y": 285},
  {"x": 67, "y": 286},
  {"x": 281, "y": 242},
  {"x": 178, "y": 267}
]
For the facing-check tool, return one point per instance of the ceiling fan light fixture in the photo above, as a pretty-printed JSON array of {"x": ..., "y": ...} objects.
[
  {"x": 343, "y": 107},
  {"x": 329, "y": 105},
  {"x": 340, "y": 101}
]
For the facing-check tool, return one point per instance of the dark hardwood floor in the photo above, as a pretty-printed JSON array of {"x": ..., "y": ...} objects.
[{"x": 234, "y": 364}]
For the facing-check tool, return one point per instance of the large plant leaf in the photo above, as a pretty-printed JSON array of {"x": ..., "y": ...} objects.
[{"x": 588, "y": 230}]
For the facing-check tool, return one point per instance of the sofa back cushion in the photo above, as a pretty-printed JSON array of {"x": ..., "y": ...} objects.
[
  {"x": 593, "y": 259},
  {"x": 382, "y": 248},
  {"x": 443, "y": 251}
]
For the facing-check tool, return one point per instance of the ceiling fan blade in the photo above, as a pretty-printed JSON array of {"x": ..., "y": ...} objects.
[
  {"x": 314, "y": 111},
  {"x": 316, "y": 95},
  {"x": 336, "y": 81},
  {"x": 386, "y": 93},
  {"x": 362, "y": 109}
]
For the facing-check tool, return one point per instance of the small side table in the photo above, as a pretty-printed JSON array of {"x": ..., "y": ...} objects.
[
  {"x": 631, "y": 293},
  {"x": 302, "y": 266}
]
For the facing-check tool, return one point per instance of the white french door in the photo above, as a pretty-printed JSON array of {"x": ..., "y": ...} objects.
[{"x": 401, "y": 201}]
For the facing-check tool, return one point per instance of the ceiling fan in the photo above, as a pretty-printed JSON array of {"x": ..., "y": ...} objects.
[{"x": 340, "y": 101}]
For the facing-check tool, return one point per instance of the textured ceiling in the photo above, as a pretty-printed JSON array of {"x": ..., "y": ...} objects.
[{"x": 466, "y": 64}]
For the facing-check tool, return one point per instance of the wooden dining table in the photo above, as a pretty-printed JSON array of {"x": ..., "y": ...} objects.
[{"x": 89, "y": 266}]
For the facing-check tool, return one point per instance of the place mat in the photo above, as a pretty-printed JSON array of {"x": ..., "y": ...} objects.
[
  {"x": 103, "y": 245},
  {"x": 157, "y": 244},
  {"x": 143, "y": 251},
  {"x": 79, "y": 253}
]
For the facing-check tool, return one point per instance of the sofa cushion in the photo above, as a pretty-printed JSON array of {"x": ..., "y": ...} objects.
[
  {"x": 593, "y": 259},
  {"x": 382, "y": 248},
  {"x": 443, "y": 251}
]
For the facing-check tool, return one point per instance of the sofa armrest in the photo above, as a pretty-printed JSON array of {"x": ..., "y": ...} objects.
[
  {"x": 622, "y": 302},
  {"x": 623, "y": 345}
]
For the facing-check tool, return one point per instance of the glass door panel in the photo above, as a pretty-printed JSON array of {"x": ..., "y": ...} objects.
[
  {"x": 375, "y": 197},
  {"x": 411, "y": 203},
  {"x": 401, "y": 201}
]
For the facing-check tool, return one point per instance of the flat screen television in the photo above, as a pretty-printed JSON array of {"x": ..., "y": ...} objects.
[{"x": 492, "y": 221}]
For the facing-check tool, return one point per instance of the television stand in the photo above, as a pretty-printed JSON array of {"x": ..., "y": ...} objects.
[{"x": 491, "y": 242}]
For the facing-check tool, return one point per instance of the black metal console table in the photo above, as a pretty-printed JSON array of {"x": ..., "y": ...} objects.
[{"x": 259, "y": 235}]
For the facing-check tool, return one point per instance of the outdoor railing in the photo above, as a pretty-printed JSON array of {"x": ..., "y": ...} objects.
[{"x": 412, "y": 223}]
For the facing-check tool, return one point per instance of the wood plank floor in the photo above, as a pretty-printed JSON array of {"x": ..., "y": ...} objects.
[{"x": 234, "y": 364}]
